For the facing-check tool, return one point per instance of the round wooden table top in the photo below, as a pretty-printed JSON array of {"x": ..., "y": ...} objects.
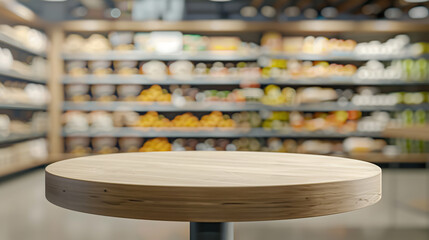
[{"x": 212, "y": 186}]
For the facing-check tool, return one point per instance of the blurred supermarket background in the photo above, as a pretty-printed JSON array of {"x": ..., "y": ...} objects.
[{"x": 335, "y": 77}]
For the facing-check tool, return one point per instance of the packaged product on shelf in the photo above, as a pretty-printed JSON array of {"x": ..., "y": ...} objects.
[
  {"x": 101, "y": 121},
  {"x": 224, "y": 43},
  {"x": 247, "y": 119},
  {"x": 6, "y": 59},
  {"x": 104, "y": 145},
  {"x": 248, "y": 144},
  {"x": 39, "y": 67},
  {"x": 4, "y": 125},
  {"x": 166, "y": 42},
  {"x": 130, "y": 144},
  {"x": 315, "y": 94},
  {"x": 272, "y": 42},
  {"x": 125, "y": 119},
  {"x": 156, "y": 144},
  {"x": 316, "y": 147},
  {"x": 141, "y": 42},
  {"x": 125, "y": 68},
  {"x": 15, "y": 92},
  {"x": 100, "y": 68},
  {"x": 363, "y": 145},
  {"x": 216, "y": 119},
  {"x": 275, "y": 120},
  {"x": 76, "y": 68},
  {"x": 96, "y": 43},
  {"x": 78, "y": 145},
  {"x": 77, "y": 92},
  {"x": 415, "y": 70},
  {"x": 154, "y": 70},
  {"x": 195, "y": 43},
  {"x": 181, "y": 70},
  {"x": 128, "y": 92},
  {"x": 121, "y": 41},
  {"x": 396, "y": 46},
  {"x": 419, "y": 48},
  {"x": 37, "y": 93},
  {"x": 317, "y": 45},
  {"x": 200, "y": 69},
  {"x": 73, "y": 43},
  {"x": 75, "y": 121},
  {"x": 375, "y": 71},
  {"x": 7, "y": 157},
  {"x": 39, "y": 122},
  {"x": 28, "y": 152},
  {"x": 153, "y": 119},
  {"x": 154, "y": 94},
  {"x": 274, "y": 95},
  {"x": 252, "y": 94},
  {"x": 376, "y": 122},
  {"x": 31, "y": 38},
  {"x": 20, "y": 127},
  {"x": 292, "y": 45},
  {"x": 103, "y": 92}
]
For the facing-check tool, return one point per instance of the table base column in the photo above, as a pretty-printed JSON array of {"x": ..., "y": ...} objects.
[{"x": 211, "y": 231}]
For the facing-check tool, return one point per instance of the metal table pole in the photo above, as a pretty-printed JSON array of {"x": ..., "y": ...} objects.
[{"x": 211, "y": 231}]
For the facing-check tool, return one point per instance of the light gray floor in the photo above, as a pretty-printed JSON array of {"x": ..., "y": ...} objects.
[{"x": 26, "y": 214}]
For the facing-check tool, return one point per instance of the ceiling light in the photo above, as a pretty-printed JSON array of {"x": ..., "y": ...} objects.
[
  {"x": 310, "y": 13},
  {"x": 418, "y": 12},
  {"x": 392, "y": 13},
  {"x": 329, "y": 12},
  {"x": 268, "y": 11},
  {"x": 115, "y": 13},
  {"x": 249, "y": 11},
  {"x": 416, "y": 1},
  {"x": 292, "y": 11}
]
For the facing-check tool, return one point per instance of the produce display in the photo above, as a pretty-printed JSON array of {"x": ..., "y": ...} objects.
[
  {"x": 349, "y": 145},
  {"x": 28, "y": 37},
  {"x": 16, "y": 92},
  {"x": 10, "y": 126},
  {"x": 258, "y": 81},
  {"x": 397, "y": 46},
  {"x": 275, "y": 43},
  {"x": 165, "y": 42},
  {"x": 329, "y": 122},
  {"x": 37, "y": 66},
  {"x": 28, "y": 152}
]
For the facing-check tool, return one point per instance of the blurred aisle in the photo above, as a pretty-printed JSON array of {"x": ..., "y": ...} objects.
[{"x": 26, "y": 214}]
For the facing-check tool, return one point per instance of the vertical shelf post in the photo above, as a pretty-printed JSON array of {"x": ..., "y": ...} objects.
[{"x": 56, "y": 66}]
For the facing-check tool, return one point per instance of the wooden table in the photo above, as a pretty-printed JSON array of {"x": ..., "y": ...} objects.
[{"x": 211, "y": 189}]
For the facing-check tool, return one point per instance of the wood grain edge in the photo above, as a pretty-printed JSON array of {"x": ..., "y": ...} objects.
[{"x": 212, "y": 204}]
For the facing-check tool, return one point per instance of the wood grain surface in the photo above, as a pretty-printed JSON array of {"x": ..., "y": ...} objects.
[{"x": 212, "y": 186}]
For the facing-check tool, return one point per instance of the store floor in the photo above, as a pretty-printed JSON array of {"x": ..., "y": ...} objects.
[{"x": 25, "y": 214}]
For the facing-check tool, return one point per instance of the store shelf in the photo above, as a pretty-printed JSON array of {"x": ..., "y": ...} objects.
[
  {"x": 212, "y": 132},
  {"x": 22, "y": 106},
  {"x": 138, "y": 79},
  {"x": 341, "y": 57},
  {"x": 383, "y": 158},
  {"x": 412, "y": 132},
  {"x": 13, "y": 138},
  {"x": 16, "y": 75},
  {"x": 21, "y": 166},
  {"x": 17, "y": 45},
  {"x": 228, "y": 107},
  {"x": 136, "y": 55},
  {"x": 234, "y": 26},
  {"x": 367, "y": 157}
]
